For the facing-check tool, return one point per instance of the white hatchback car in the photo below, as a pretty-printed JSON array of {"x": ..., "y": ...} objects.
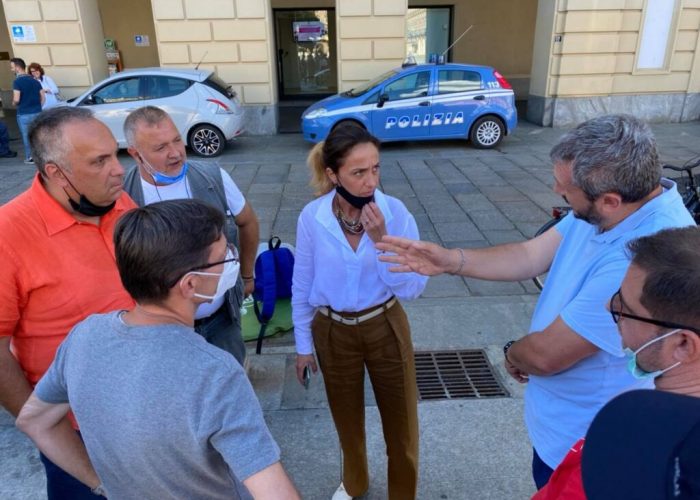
[{"x": 204, "y": 108}]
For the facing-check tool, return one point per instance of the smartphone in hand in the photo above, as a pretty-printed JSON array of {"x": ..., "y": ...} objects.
[{"x": 307, "y": 377}]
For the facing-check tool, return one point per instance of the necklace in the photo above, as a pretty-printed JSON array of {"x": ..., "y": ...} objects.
[{"x": 351, "y": 226}]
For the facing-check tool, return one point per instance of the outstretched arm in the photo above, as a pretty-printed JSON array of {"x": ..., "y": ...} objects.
[{"x": 509, "y": 262}]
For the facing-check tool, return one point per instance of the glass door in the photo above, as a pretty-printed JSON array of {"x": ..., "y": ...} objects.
[
  {"x": 306, "y": 53},
  {"x": 428, "y": 32}
]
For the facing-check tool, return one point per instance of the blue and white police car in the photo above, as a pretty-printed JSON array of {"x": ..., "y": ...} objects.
[{"x": 422, "y": 102}]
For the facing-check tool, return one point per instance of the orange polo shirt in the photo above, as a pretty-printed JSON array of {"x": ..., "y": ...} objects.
[{"x": 54, "y": 272}]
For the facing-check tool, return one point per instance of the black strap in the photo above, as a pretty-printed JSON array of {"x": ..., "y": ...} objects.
[{"x": 258, "y": 347}]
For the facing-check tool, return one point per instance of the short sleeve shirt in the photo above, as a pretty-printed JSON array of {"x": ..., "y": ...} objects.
[
  {"x": 587, "y": 270},
  {"x": 55, "y": 272},
  {"x": 29, "y": 95},
  {"x": 163, "y": 413}
]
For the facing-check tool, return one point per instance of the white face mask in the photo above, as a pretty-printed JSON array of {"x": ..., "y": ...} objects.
[{"x": 227, "y": 278}]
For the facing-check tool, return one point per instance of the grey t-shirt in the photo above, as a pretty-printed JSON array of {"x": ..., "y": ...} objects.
[{"x": 163, "y": 414}]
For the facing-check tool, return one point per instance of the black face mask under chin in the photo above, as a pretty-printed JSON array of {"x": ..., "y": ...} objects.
[
  {"x": 85, "y": 206},
  {"x": 355, "y": 201},
  {"x": 88, "y": 208}
]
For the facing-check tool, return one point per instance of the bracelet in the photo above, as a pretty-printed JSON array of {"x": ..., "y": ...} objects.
[
  {"x": 461, "y": 262},
  {"x": 505, "y": 350}
]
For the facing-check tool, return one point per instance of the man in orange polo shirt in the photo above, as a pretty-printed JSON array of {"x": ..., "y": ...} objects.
[{"x": 57, "y": 256}]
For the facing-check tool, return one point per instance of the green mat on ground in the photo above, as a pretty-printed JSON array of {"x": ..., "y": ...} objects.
[{"x": 281, "y": 319}]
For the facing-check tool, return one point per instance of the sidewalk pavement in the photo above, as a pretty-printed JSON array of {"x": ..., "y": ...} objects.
[{"x": 460, "y": 196}]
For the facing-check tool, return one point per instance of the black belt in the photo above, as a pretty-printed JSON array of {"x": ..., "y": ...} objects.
[{"x": 208, "y": 319}]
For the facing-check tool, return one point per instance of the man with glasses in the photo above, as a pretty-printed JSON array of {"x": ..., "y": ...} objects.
[
  {"x": 608, "y": 170},
  {"x": 163, "y": 413},
  {"x": 162, "y": 172},
  {"x": 656, "y": 313},
  {"x": 57, "y": 257}
]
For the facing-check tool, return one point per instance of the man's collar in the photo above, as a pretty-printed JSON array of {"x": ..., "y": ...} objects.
[
  {"x": 55, "y": 216},
  {"x": 635, "y": 218}
]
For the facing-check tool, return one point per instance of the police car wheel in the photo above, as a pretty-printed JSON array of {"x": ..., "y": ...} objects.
[
  {"x": 343, "y": 123},
  {"x": 486, "y": 132},
  {"x": 208, "y": 141}
]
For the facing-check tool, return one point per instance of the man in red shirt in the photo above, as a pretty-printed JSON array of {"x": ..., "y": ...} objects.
[{"x": 57, "y": 255}]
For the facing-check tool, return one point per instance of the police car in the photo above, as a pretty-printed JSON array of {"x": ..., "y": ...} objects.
[{"x": 419, "y": 102}]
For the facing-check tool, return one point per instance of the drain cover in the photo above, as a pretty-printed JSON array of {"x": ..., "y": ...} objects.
[{"x": 456, "y": 375}]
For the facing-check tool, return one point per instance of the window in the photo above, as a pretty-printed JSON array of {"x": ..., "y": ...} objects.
[
  {"x": 457, "y": 80},
  {"x": 409, "y": 86},
  {"x": 655, "y": 40},
  {"x": 158, "y": 87},
  {"x": 126, "y": 89},
  {"x": 428, "y": 32}
]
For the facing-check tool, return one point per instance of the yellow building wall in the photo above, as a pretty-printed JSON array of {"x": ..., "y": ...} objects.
[
  {"x": 598, "y": 47},
  {"x": 502, "y": 35},
  {"x": 232, "y": 37},
  {"x": 371, "y": 39},
  {"x": 68, "y": 40},
  {"x": 124, "y": 19}
]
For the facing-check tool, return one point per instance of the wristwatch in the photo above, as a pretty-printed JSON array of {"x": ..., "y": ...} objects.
[
  {"x": 506, "y": 347},
  {"x": 99, "y": 490}
]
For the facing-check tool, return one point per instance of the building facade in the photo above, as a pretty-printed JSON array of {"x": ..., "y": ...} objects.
[{"x": 568, "y": 60}]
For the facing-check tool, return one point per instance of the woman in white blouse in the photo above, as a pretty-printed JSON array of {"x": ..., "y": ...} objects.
[
  {"x": 48, "y": 86},
  {"x": 344, "y": 304}
]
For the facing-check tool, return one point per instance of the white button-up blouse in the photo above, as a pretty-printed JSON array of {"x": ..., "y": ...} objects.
[{"x": 327, "y": 272}]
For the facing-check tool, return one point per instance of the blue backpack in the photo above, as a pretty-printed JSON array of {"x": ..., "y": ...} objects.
[{"x": 273, "y": 280}]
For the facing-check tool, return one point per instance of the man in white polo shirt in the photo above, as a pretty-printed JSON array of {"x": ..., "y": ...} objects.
[{"x": 161, "y": 173}]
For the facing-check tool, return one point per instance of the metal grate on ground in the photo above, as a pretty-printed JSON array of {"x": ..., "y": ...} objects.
[{"x": 456, "y": 375}]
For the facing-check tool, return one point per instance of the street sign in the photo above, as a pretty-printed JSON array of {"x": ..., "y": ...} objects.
[{"x": 23, "y": 33}]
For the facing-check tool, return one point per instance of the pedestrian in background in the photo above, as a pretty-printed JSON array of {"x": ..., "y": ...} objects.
[
  {"x": 51, "y": 92},
  {"x": 344, "y": 304},
  {"x": 5, "y": 151},
  {"x": 28, "y": 97}
]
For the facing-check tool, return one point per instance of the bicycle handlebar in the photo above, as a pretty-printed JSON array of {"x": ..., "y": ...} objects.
[{"x": 685, "y": 168}]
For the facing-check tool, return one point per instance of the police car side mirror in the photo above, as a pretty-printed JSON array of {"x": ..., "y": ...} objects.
[{"x": 382, "y": 99}]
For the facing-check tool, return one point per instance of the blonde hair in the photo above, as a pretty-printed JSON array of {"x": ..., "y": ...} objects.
[
  {"x": 319, "y": 179},
  {"x": 332, "y": 152}
]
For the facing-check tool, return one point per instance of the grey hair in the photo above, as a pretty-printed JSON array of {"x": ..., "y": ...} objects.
[
  {"x": 150, "y": 115},
  {"x": 46, "y": 135},
  {"x": 611, "y": 154}
]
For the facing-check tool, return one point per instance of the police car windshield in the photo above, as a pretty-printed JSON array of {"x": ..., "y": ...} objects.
[{"x": 362, "y": 89}]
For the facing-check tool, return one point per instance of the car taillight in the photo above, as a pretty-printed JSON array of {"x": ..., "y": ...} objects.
[
  {"x": 502, "y": 81},
  {"x": 222, "y": 107}
]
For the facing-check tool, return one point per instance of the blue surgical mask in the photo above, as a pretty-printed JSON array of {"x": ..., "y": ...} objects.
[
  {"x": 161, "y": 178},
  {"x": 634, "y": 368}
]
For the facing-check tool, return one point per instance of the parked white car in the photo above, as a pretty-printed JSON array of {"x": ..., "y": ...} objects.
[{"x": 204, "y": 108}]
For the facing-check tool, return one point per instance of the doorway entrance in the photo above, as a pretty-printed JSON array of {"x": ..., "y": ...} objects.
[{"x": 305, "y": 44}]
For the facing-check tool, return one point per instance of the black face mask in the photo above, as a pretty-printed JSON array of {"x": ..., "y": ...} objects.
[
  {"x": 355, "y": 201},
  {"x": 85, "y": 206}
]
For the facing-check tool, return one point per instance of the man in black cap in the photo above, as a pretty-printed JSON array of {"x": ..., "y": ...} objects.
[{"x": 644, "y": 445}]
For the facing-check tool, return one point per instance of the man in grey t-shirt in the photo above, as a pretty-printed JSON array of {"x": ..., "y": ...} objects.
[{"x": 163, "y": 414}]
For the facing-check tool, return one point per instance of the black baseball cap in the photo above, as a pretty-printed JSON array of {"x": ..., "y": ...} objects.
[{"x": 644, "y": 445}]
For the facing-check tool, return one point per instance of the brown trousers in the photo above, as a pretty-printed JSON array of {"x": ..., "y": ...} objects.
[{"x": 383, "y": 345}]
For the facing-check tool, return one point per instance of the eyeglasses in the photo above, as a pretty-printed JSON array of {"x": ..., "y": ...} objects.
[
  {"x": 231, "y": 256},
  {"x": 616, "y": 305}
]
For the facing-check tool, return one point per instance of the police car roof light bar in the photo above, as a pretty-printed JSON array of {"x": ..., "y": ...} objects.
[{"x": 453, "y": 43}]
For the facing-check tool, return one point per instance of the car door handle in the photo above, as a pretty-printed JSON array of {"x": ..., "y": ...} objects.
[
  {"x": 479, "y": 97},
  {"x": 424, "y": 103}
]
